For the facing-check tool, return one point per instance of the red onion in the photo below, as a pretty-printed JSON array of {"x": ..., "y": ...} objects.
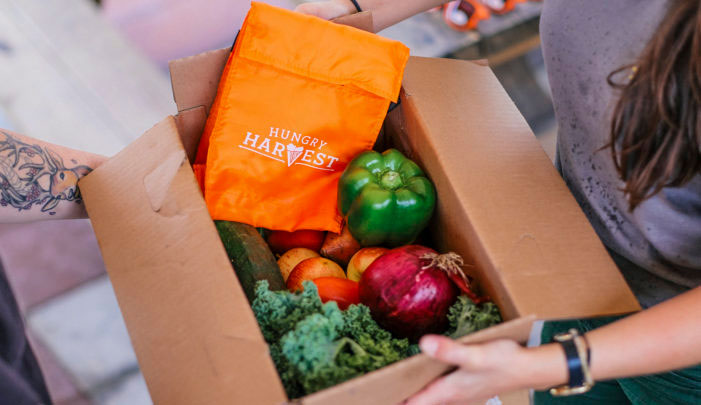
[{"x": 410, "y": 289}]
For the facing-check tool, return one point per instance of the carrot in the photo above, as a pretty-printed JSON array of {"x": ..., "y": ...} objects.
[{"x": 341, "y": 290}]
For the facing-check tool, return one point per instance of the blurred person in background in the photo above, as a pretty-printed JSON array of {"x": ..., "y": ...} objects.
[
  {"x": 38, "y": 181},
  {"x": 626, "y": 85}
]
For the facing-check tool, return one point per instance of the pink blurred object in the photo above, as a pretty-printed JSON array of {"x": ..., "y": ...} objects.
[
  {"x": 171, "y": 29},
  {"x": 45, "y": 259}
]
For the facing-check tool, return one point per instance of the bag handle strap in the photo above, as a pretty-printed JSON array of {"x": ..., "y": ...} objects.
[{"x": 357, "y": 6}]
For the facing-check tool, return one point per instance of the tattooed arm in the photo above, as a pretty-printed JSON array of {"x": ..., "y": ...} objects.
[{"x": 38, "y": 179}]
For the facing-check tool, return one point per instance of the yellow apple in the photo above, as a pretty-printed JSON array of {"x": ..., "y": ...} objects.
[
  {"x": 310, "y": 269},
  {"x": 362, "y": 260},
  {"x": 293, "y": 257}
]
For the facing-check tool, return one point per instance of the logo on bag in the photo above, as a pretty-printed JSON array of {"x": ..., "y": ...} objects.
[
  {"x": 293, "y": 153},
  {"x": 310, "y": 155}
]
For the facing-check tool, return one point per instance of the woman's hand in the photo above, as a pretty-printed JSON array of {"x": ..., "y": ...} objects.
[
  {"x": 662, "y": 338},
  {"x": 489, "y": 369},
  {"x": 328, "y": 10}
]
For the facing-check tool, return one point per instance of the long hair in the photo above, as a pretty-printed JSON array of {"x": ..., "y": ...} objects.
[{"x": 656, "y": 126}]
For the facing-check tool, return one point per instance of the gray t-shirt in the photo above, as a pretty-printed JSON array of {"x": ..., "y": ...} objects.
[{"x": 657, "y": 246}]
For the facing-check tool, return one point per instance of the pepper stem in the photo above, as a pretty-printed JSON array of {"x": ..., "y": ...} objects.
[{"x": 391, "y": 180}]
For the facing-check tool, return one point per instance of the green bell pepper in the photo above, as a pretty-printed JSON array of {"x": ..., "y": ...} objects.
[{"x": 386, "y": 198}]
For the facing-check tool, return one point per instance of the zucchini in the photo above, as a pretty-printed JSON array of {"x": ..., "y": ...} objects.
[{"x": 251, "y": 257}]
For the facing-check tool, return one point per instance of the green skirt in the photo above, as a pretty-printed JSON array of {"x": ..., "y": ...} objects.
[{"x": 676, "y": 387}]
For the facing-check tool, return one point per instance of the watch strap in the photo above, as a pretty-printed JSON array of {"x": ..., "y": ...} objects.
[
  {"x": 574, "y": 363},
  {"x": 578, "y": 358}
]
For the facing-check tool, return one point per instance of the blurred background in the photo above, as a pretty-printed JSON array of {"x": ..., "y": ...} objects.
[{"x": 92, "y": 75}]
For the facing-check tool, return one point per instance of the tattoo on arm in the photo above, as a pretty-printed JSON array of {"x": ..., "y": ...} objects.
[{"x": 32, "y": 175}]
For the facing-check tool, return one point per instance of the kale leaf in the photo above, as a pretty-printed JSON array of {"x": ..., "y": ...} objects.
[
  {"x": 278, "y": 312},
  {"x": 465, "y": 317},
  {"x": 315, "y": 345}
]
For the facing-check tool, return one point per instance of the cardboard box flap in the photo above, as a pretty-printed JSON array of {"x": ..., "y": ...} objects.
[
  {"x": 195, "y": 79},
  {"x": 543, "y": 252},
  {"x": 170, "y": 293},
  {"x": 190, "y": 127}
]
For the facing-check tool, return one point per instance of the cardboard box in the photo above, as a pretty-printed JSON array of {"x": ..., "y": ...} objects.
[{"x": 501, "y": 205}]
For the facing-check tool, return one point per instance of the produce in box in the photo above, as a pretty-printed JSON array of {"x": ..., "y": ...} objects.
[
  {"x": 342, "y": 291},
  {"x": 315, "y": 345},
  {"x": 309, "y": 269},
  {"x": 409, "y": 289},
  {"x": 290, "y": 259},
  {"x": 465, "y": 317},
  {"x": 386, "y": 198},
  {"x": 321, "y": 335},
  {"x": 282, "y": 241},
  {"x": 250, "y": 256},
  {"x": 340, "y": 247},
  {"x": 362, "y": 260}
]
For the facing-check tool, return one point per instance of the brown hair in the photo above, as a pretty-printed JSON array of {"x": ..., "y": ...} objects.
[{"x": 656, "y": 124}]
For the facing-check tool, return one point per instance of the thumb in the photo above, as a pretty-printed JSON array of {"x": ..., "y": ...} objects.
[{"x": 446, "y": 350}]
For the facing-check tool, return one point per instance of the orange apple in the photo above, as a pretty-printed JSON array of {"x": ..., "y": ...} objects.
[
  {"x": 293, "y": 257},
  {"x": 312, "y": 268},
  {"x": 362, "y": 260}
]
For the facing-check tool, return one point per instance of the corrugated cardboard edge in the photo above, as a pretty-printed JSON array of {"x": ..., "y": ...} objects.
[
  {"x": 394, "y": 383},
  {"x": 193, "y": 340}
]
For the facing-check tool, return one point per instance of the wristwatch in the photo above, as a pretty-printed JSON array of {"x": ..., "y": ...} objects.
[{"x": 578, "y": 356}]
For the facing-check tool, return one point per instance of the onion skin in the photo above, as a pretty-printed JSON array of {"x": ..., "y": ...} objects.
[{"x": 404, "y": 298}]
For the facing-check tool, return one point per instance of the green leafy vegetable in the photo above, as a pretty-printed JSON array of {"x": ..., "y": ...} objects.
[
  {"x": 278, "y": 312},
  {"x": 466, "y": 317},
  {"x": 315, "y": 345}
]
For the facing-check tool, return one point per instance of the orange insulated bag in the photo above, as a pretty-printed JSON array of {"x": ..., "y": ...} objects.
[{"x": 298, "y": 99}]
